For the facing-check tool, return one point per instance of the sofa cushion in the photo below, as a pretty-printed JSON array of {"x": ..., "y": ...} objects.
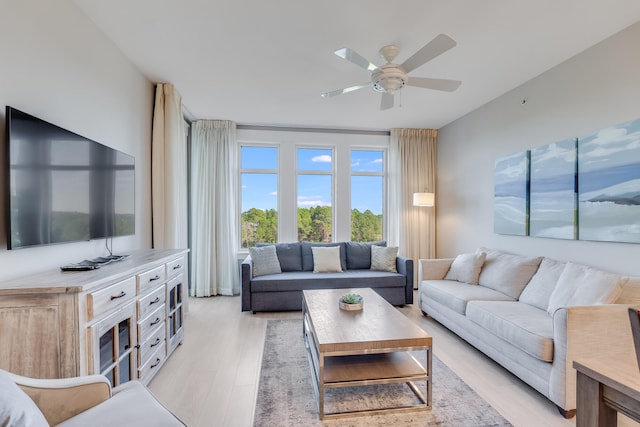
[
  {"x": 16, "y": 407},
  {"x": 582, "y": 285},
  {"x": 456, "y": 295},
  {"x": 466, "y": 268},
  {"x": 359, "y": 254},
  {"x": 307, "y": 255},
  {"x": 265, "y": 260},
  {"x": 289, "y": 255},
  {"x": 538, "y": 291},
  {"x": 326, "y": 260},
  {"x": 383, "y": 258},
  {"x": 300, "y": 280},
  {"x": 130, "y": 401},
  {"x": 507, "y": 273},
  {"x": 524, "y": 326}
]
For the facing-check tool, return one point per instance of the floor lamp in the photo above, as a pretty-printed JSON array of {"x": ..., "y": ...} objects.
[{"x": 422, "y": 199}]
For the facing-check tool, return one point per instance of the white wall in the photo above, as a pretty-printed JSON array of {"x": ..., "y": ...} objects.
[
  {"x": 56, "y": 65},
  {"x": 597, "y": 88}
]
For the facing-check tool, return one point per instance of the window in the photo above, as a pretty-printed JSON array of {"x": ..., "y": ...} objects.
[
  {"x": 315, "y": 195},
  {"x": 311, "y": 185},
  {"x": 259, "y": 180},
  {"x": 367, "y": 195}
]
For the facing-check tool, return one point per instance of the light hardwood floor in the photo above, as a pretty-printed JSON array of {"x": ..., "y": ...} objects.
[{"x": 212, "y": 379}]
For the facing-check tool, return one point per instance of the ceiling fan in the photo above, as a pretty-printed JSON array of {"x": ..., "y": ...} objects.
[{"x": 389, "y": 78}]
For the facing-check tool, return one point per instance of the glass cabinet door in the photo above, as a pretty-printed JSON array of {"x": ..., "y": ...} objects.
[
  {"x": 175, "y": 312},
  {"x": 113, "y": 342}
]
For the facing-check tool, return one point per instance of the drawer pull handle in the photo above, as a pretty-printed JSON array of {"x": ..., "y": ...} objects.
[
  {"x": 120, "y": 295},
  {"x": 155, "y": 343},
  {"x": 177, "y": 266},
  {"x": 155, "y": 301},
  {"x": 155, "y": 322},
  {"x": 154, "y": 278},
  {"x": 155, "y": 364}
]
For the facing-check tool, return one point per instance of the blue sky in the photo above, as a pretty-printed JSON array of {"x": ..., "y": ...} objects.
[{"x": 260, "y": 190}]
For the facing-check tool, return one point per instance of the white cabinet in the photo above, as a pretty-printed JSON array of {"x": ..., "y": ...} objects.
[{"x": 122, "y": 320}]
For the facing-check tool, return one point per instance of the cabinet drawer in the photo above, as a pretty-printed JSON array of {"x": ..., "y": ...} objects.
[
  {"x": 150, "y": 278},
  {"x": 109, "y": 298},
  {"x": 149, "y": 369},
  {"x": 151, "y": 302},
  {"x": 150, "y": 323},
  {"x": 156, "y": 341},
  {"x": 174, "y": 267}
]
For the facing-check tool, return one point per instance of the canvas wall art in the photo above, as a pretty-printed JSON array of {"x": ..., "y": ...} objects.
[
  {"x": 553, "y": 193},
  {"x": 510, "y": 202},
  {"x": 609, "y": 184}
]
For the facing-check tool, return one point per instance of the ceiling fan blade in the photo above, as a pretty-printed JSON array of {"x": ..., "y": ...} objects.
[
  {"x": 356, "y": 58},
  {"x": 345, "y": 90},
  {"x": 435, "y": 84},
  {"x": 434, "y": 48},
  {"x": 387, "y": 101}
]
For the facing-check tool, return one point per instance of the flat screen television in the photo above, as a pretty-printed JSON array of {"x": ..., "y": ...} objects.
[{"x": 63, "y": 187}]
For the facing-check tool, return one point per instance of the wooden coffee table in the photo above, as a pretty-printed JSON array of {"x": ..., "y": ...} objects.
[{"x": 359, "y": 348}]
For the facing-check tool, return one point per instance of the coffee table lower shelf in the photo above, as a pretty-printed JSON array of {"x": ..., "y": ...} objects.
[{"x": 386, "y": 366}]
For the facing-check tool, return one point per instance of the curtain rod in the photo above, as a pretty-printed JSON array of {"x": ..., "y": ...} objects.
[{"x": 315, "y": 130}]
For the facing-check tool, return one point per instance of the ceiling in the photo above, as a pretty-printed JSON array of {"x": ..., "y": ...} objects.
[{"x": 267, "y": 62}]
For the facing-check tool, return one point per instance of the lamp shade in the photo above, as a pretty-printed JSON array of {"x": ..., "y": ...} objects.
[{"x": 424, "y": 199}]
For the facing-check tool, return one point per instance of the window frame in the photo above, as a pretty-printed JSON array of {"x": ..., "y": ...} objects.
[
  {"x": 385, "y": 184},
  {"x": 287, "y": 140},
  {"x": 331, "y": 172},
  {"x": 257, "y": 171}
]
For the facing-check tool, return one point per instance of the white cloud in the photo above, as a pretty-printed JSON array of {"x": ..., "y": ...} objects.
[
  {"x": 553, "y": 151},
  {"x": 325, "y": 158},
  {"x": 514, "y": 170},
  {"x": 377, "y": 161},
  {"x": 312, "y": 203},
  {"x": 273, "y": 193},
  {"x": 610, "y": 141}
]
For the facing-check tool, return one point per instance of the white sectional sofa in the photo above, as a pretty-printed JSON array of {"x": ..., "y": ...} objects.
[{"x": 532, "y": 315}]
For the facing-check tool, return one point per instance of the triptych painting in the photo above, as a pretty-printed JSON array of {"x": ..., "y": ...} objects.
[{"x": 582, "y": 188}]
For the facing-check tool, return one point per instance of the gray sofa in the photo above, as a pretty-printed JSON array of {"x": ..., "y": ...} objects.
[
  {"x": 283, "y": 291},
  {"x": 532, "y": 315}
]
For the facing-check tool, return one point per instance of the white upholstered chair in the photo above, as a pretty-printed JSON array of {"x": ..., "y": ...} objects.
[{"x": 81, "y": 401}]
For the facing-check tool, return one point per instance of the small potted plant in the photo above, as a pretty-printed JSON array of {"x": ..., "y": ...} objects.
[{"x": 351, "y": 302}]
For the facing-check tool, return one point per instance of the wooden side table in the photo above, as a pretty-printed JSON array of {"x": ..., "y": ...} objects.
[{"x": 604, "y": 388}]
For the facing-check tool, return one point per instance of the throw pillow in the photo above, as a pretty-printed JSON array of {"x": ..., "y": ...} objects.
[
  {"x": 265, "y": 260},
  {"x": 538, "y": 292},
  {"x": 359, "y": 254},
  {"x": 289, "y": 255},
  {"x": 466, "y": 268},
  {"x": 16, "y": 407},
  {"x": 507, "y": 273},
  {"x": 582, "y": 285},
  {"x": 307, "y": 255},
  {"x": 326, "y": 259},
  {"x": 383, "y": 258}
]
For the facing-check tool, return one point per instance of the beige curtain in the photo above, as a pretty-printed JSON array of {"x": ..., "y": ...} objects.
[
  {"x": 168, "y": 170},
  {"x": 412, "y": 169}
]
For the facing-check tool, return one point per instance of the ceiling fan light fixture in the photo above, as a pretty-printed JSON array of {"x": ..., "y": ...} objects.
[{"x": 389, "y": 78}]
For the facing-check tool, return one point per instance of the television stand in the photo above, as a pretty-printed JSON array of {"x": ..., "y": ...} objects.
[{"x": 122, "y": 321}]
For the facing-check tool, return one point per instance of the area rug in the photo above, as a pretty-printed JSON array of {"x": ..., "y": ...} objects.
[{"x": 286, "y": 397}]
